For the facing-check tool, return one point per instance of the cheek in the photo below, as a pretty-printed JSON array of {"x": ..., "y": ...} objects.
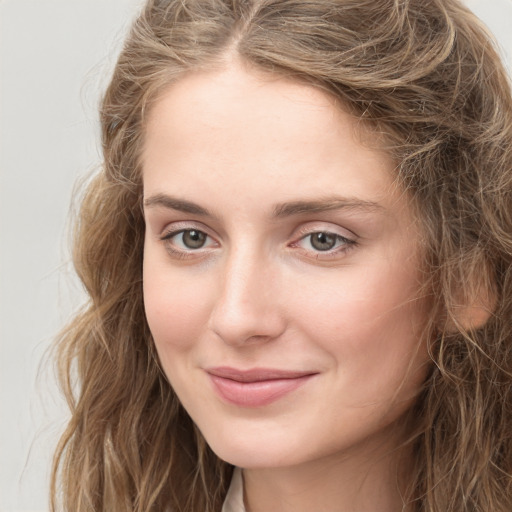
[
  {"x": 371, "y": 323},
  {"x": 176, "y": 311}
]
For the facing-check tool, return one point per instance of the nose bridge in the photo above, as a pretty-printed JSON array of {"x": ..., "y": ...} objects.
[{"x": 246, "y": 306}]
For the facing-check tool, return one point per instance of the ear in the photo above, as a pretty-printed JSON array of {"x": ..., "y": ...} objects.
[
  {"x": 472, "y": 317},
  {"x": 475, "y": 302}
]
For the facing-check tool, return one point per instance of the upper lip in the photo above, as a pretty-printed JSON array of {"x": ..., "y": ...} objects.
[{"x": 256, "y": 374}]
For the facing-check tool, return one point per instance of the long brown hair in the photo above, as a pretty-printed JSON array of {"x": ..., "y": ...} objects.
[{"x": 425, "y": 74}]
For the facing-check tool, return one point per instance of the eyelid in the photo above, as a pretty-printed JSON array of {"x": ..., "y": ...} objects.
[
  {"x": 175, "y": 228},
  {"x": 325, "y": 227},
  {"x": 171, "y": 234},
  {"x": 346, "y": 241},
  {"x": 178, "y": 226}
]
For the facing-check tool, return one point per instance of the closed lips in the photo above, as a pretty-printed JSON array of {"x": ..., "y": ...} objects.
[
  {"x": 256, "y": 387},
  {"x": 256, "y": 374}
]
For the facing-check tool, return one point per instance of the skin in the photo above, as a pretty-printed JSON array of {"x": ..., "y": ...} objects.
[{"x": 225, "y": 150}]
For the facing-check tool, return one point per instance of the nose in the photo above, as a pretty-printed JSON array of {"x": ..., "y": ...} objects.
[{"x": 247, "y": 308}]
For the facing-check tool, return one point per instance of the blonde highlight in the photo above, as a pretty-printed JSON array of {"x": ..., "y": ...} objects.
[{"x": 424, "y": 74}]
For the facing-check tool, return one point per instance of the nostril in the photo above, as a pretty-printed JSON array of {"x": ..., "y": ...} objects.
[
  {"x": 245, "y": 309},
  {"x": 246, "y": 324}
]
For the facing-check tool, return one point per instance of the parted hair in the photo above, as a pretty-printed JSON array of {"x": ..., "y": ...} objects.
[{"x": 423, "y": 74}]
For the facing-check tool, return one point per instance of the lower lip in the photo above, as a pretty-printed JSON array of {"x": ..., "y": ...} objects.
[{"x": 255, "y": 394}]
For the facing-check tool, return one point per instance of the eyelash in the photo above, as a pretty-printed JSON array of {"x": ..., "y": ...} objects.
[
  {"x": 342, "y": 244},
  {"x": 182, "y": 253}
]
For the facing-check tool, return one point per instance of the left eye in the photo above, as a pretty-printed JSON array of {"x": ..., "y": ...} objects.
[
  {"x": 323, "y": 241},
  {"x": 188, "y": 239}
]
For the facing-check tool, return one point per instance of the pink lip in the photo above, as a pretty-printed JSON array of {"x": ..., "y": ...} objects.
[{"x": 256, "y": 387}]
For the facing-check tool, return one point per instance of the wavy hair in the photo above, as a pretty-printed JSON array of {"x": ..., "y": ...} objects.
[{"x": 424, "y": 74}]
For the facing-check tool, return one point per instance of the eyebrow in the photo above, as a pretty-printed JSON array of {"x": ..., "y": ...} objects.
[
  {"x": 174, "y": 203},
  {"x": 282, "y": 210},
  {"x": 327, "y": 204}
]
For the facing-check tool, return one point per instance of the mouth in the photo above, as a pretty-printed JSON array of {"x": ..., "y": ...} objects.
[{"x": 256, "y": 387}]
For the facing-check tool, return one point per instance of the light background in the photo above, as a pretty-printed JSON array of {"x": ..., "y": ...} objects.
[{"x": 55, "y": 58}]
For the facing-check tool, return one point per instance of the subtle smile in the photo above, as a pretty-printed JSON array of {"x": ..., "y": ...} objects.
[{"x": 256, "y": 387}]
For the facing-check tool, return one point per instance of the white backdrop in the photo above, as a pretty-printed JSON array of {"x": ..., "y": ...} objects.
[{"x": 55, "y": 56}]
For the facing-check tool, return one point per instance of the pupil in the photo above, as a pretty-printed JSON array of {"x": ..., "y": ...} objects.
[
  {"x": 323, "y": 241},
  {"x": 194, "y": 239}
]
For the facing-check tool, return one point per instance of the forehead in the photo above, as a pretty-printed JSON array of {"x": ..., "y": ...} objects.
[{"x": 256, "y": 136}]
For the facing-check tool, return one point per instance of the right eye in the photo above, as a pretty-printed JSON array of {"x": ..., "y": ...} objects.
[{"x": 186, "y": 241}]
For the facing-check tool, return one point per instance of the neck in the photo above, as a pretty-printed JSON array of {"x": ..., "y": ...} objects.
[{"x": 364, "y": 482}]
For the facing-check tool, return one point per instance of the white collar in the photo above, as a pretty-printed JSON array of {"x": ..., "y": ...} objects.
[{"x": 234, "y": 501}]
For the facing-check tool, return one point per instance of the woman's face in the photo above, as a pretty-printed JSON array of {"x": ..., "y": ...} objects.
[{"x": 281, "y": 270}]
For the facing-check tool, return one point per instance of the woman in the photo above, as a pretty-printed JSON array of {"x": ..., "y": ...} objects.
[{"x": 298, "y": 256}]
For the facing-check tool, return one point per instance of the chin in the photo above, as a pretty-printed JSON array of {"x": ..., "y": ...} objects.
[
  {"x": 254, "y": 459},
  {"x": 253, "y": 451}
]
